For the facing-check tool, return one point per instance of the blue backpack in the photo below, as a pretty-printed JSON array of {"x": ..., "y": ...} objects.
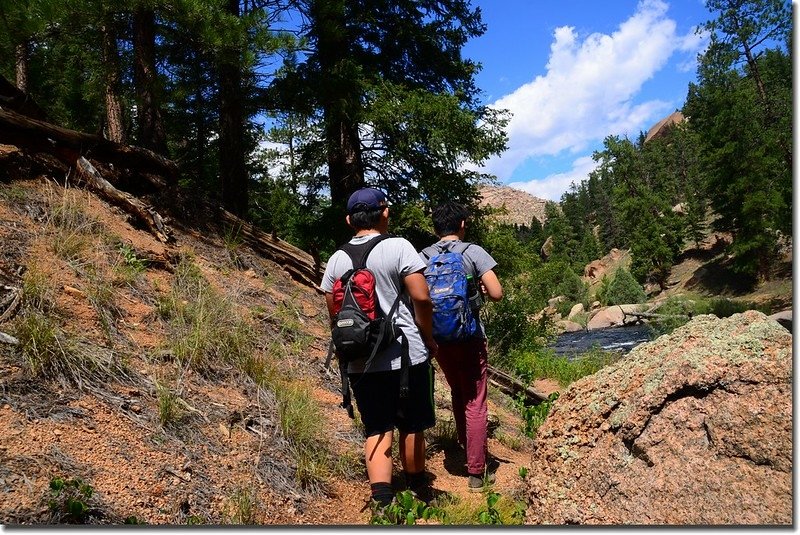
[{"x": 446, "y": 275}]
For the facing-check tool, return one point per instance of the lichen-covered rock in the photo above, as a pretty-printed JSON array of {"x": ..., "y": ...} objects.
[{"x": 692, "y": 428}]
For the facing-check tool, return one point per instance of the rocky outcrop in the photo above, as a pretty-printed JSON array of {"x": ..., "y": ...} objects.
[
  {"x": 595, "y": 270},
  {"x": 662, "y": 127},
  {"x": 694, "y": 428},
  {"x": 519, "y": 207},
  {"x": 784, "y": 317},
  {"x": 568, "y": 326}
]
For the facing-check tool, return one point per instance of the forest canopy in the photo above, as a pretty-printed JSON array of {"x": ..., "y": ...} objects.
[{"x": 278, "y": 109}]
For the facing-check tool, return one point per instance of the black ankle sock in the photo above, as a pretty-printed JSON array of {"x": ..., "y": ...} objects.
[
  {"x": 382, "y": 493},
  {"x": 416, "y": 480}
]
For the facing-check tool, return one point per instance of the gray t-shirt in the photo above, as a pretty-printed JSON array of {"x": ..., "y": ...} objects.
[
  {"x": 391, "y": 260},
  {"x": 476, "y": 260}
]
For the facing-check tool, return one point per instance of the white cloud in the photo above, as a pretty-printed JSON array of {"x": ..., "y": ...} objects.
[
  {"x": 588, "y": 90},
  {"x": 551, "y": 187}
]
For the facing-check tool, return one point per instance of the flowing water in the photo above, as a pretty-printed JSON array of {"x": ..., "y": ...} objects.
[{"x": 619, "y": 339}]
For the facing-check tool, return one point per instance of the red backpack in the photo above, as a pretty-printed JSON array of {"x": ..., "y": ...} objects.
[{"x": 359, "y": 329}]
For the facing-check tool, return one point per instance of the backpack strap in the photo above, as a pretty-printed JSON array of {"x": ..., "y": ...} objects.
[
  {"x": 358, "y": 253},
  {"x": 450, "y": 246}
]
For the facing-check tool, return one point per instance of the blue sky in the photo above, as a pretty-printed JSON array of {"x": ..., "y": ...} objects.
[{"x": 573, "y": 72}]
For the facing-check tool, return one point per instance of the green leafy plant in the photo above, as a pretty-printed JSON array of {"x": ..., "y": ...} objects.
[
  {"x": 405, "y": 509},
  {"x": 69, "y": 500},
  {"x": 128, "y": 266},
  {"x": 490, "y": 516},
  {"x": 535, "y": 415}
]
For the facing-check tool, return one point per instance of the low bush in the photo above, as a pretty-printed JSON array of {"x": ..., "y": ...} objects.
[{"x": 621, "y": 289}]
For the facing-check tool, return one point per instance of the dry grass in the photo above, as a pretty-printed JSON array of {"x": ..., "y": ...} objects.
[{"x": 51, "y": 353}]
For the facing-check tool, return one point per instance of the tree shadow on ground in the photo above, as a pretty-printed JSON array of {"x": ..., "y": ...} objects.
[{"x": 718, "y": 278}]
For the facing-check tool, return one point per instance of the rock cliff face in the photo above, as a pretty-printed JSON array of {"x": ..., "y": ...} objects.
[
  {"x": 520, "y": 206},
  {"x": 694, "y": 428}
]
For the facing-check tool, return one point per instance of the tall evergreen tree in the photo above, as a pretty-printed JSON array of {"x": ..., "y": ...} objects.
[
  {"x": 396, "y": 102},
  {"x": 741, "y": 113}
]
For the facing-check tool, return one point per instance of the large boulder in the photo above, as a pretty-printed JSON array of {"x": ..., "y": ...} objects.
[
  {"x": 612, "y": 316},
  {"x": 694, "y": 428},
  {"x": 784, "y": 317}
]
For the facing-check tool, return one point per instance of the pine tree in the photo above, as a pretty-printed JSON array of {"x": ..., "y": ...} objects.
[{"x": 741, "y": 113}]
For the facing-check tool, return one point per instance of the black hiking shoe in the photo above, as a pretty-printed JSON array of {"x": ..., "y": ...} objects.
[{"x": 478, "y": 483}]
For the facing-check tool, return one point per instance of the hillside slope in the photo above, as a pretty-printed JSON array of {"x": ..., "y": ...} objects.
[{"x": 183, "y": 383}]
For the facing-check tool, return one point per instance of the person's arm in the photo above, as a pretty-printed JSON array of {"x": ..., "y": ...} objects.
[
  {"x": 329, "y": 302},
  {"x": 423, "y": 308},
  {"x": 491, "y": 286}
]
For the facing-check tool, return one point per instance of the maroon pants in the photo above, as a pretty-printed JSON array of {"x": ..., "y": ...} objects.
[{"x": 464, "y": 366}]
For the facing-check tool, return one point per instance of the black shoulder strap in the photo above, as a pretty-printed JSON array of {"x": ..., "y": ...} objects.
[{"x": 358, "y": 253}]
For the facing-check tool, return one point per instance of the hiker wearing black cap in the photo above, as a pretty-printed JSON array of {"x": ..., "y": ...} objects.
[{"x": 387, "y": 392}]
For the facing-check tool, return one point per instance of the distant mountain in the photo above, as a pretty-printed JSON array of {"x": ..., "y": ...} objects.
[{"x": 520, "y": 206}]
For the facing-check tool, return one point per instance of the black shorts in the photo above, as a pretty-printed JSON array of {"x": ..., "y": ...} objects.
[{"x": 377, "y": 396}]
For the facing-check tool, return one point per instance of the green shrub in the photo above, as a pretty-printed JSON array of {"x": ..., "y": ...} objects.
[
  {"x": 535, "y": 415},
  {"x": 405, "y": 509},
  {"x": 507, "y": 322},
  {"x": 623, "y": 289},
  {"x": 52, "y": 354},
  {"x": 574, "y": 289},
  {"x": 545, "y": 364},
  {"x": 205, "y": 330},
  {"x": 38, "y": 289}
]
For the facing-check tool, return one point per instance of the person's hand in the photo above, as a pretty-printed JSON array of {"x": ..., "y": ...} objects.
[{"x": 433, "y": 347}]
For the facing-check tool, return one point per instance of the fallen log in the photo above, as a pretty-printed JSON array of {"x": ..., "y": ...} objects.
[
  {"x": 12, "y": 98},
  {"x": 10, "y": 302},
  {"x": 143, "y": 213},
  {"x": 639, "y": 316},
  {"x": 299, "y": 264},
  {"x": 68, "y": 145},
  {"x": 513, "y": 387}
]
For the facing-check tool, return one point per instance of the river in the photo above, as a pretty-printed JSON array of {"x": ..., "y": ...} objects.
[{"x": 619, "y": 339}]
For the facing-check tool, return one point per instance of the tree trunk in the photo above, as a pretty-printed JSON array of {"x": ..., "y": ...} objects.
[
  {"x": 340, "y": 101},
  {"x": 114, "y": 120},
  {"x": 233, "y": 175},
  {"x": 22, "y": 54},
  {"x": 151, "y": 125}
]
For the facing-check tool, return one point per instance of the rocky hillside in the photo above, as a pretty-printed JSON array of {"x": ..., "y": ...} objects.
[
  {"x": 516, "y": 207},
  {"x": 182, "y": 382}
]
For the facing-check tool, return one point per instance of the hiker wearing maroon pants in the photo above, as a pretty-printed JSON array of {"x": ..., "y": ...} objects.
[{"x": 464, "y": 363}]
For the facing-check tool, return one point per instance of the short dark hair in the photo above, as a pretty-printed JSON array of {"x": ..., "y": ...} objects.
[
  {"x": 447, "y": 218},
  {"x": 366, "y": 219}
]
